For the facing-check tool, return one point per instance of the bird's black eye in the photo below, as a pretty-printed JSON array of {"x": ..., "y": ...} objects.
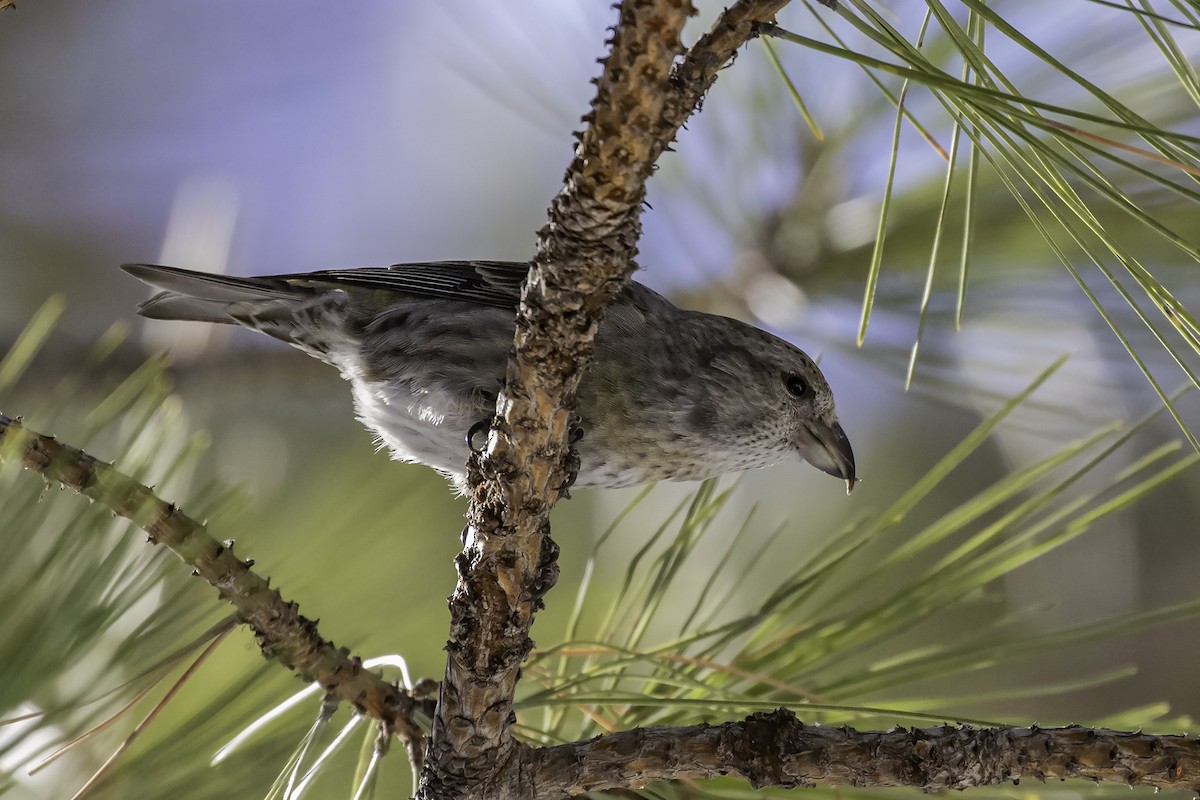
[{"x": 796, "y": 386}]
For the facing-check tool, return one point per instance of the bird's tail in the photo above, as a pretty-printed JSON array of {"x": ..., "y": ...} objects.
[
  {"x": 205, "y": 297},
  {"x": 304, "y": 316}
]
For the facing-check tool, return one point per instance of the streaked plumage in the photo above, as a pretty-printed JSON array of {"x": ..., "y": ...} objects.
[{"x": 671, "y": 394}]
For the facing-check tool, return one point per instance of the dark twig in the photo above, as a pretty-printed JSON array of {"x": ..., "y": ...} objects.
[
  {"x": 283, "y": 633},
  {"x": 776, "y": 749}
]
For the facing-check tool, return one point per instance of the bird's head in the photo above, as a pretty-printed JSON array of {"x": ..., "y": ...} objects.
[{"x": 781, "y": 400}]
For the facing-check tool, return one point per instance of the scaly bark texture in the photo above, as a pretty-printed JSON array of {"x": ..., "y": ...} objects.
[
  {"x": 776, "y": 749},
  {"x": 283, "y": 633},
  {"x": 585, "y": 254}
]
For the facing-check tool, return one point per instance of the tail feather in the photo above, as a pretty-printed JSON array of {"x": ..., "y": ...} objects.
[
  {"x": 170, "y": 306},
  {"x": 205, "y": 297},
  {"x": 298, "y": 315}
]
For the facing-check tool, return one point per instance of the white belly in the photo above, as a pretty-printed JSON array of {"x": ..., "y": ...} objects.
[{"x": 426, "y": 426}]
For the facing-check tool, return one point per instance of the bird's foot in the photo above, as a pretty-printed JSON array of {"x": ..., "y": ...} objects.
[
  {"x": 547, "y": 571},
  {"x": 564, "y": 490},
  {"x": 482, "y": 426},
  {"x": 572, "y": 458}
]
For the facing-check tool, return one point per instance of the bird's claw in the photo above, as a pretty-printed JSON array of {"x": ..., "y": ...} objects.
[
  {"x": 547, "y": 572},
  {"x": 572, "y": 459},
  {"x": 564, "y": 491},
  {"x": 479, "y": 427}
]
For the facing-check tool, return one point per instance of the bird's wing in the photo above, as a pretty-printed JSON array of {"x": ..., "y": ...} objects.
[{"x": 489, "y": 283}]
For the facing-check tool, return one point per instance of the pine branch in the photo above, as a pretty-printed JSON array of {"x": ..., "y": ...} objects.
[
  {"x": 585, "y": 255},
  {"x": 776, "y": 749},
  {"x": 283, "y": 633}
]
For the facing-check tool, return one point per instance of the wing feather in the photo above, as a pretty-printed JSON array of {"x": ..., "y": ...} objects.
[{"x": 489, "y": 283}]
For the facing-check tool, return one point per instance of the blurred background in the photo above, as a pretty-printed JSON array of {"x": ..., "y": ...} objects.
[{"x": 253, "y": 138}]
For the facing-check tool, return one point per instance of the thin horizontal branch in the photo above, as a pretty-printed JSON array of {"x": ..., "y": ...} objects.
[
  {"x": 283, "y": 633},
  {"x": 776, "y": 749}
]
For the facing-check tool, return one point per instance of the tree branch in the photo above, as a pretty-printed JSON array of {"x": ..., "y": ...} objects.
[
  {"x": 585, "y": 255},
  {"x": 776, "y": 749},
  {"x": 283, "y": 633}
]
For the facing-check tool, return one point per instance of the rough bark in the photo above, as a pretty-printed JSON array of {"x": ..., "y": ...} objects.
[
  {"x": 776, "y": 749},
  {"x": 283, "y": 633},
  {"x": 585, "y": 254}
]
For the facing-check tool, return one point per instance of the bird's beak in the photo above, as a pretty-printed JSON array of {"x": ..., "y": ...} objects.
[{"x": 825, "y": 446}]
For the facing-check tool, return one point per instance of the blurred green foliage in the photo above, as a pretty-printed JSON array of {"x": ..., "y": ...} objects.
[
  {"x": 681, "y": 612},
  {"x": 696, "y": 603}
]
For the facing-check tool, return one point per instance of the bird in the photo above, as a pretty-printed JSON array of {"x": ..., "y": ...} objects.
[{"x": 671, "y": 394}]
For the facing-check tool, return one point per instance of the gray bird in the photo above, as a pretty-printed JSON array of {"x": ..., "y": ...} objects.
[{"x": 670, "y": 395}]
